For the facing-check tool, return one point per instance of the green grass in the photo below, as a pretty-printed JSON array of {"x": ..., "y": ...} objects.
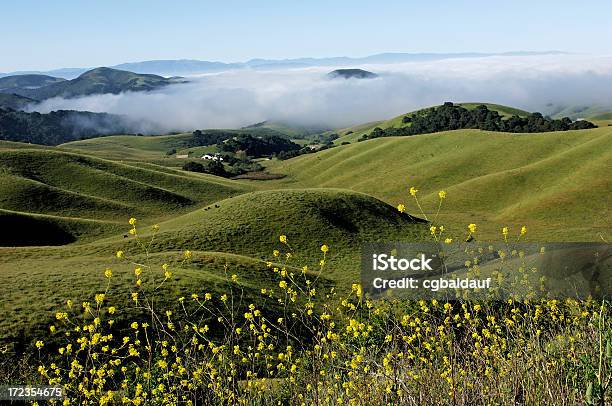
[
  {"x": 352, "y": 134},
  {"x": 238, "y": 232},
  {"x": 578, "y": 111},
  {"x": 602, "y": 116},
  {"x": 129, "y": 147},
  {"x": 250, "y": 224},
  {"x": 50, "y": 182},
  {"x": 155, "y": 148},
  {"x": 557, "y": 183},
  {"x": 37, "y": 283}
]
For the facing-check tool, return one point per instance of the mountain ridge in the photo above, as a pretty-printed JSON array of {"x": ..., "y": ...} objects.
[
  {"x": 97, "y": 81},
  {"x": 193, "y": 66}
]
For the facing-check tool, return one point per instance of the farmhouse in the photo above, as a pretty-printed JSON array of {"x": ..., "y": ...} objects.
[
  {"x": 182, "y": 156},
  {"x": 215, "y": 157}
]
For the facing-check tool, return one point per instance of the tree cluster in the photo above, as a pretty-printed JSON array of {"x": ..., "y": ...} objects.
[
  {"x": 57, "y": 127},
  {"x": 211, "y": 167},
  {"x": 453, "y": 117},
  {"x": 258, "y": 146}
]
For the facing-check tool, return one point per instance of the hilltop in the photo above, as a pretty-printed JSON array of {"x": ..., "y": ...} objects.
[
  {"x": 98, "y": 81},
  {"x": 15, "y": 83},
  {"x": 351, "y": 74},
  {"x": 397, "y": 125},
  {"x": 250, "y": 223},
  {"x": 556, "y": 182}
]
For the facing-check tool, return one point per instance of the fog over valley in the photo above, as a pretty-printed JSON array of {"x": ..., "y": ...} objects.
[{"x": 307, "y": 96}]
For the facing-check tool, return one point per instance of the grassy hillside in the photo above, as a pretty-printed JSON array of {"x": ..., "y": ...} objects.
[
  {"x": 602, "y": 116},
  {"x": 156, "y": 148},
  {"x": 97, "y": 81},
  {"x": 13, "y": 101},
  {"x": 10, "y": 84},
  {"x": 290, "y": 130},
  {"x": 236, "y": 232},
  {"x": 37, "y": 283},
  {"x": 250, "y": 224},
  {"x": 49, "y": 182},
  {"x": 352, "y": 134},
  {"x": 130, "y": 147},
  {"x": 556, "y": 183}
]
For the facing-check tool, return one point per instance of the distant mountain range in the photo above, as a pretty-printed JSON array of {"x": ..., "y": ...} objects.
[{"x": 177, "y": 67}]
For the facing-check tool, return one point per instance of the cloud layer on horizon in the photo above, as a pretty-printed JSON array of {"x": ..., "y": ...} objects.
[{"x": 307, "y": 97}]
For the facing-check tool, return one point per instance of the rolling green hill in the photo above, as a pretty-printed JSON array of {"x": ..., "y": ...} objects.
[
  {"x": 16, "y": 83},
  {"x": 245, "y": 228},
  {"x": 49, "y": 182},
  {"x": 156, "y": 148},
  {"x": 557, "y": 183},
  {"x": 13, "y": 101},
  {"x": 97, "y": 81},
  {"x": 352, "y": 134},
  {"x": 129, "y": 147},
  {"x": 250, "y": 224}
]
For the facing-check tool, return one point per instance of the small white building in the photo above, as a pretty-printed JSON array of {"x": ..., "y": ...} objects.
[
  {"x": 183, "y": 156},
  {"x": 215, "y": 157}
]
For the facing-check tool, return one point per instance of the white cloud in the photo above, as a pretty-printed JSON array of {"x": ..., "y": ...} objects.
[{"x": 306, "y": 96}]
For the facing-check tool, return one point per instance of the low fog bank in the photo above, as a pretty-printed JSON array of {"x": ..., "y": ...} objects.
[{"x": 308, "y": 97}]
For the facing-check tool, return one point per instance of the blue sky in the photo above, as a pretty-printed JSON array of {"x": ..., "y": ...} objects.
[{"x": 53, "y": 34}]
